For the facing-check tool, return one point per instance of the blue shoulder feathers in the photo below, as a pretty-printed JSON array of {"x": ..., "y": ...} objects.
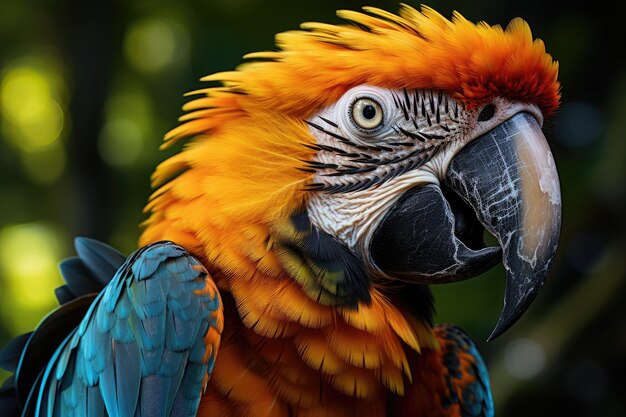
[{"x": 134, "y": 348}]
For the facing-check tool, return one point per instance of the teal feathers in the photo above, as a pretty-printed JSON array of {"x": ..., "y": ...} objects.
[{"x": 140, "y": 348}]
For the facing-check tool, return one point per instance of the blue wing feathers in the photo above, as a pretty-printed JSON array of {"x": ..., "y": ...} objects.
[
  {"x": 37, "y": 352},
  {"x": 154, "y": 396},
  {"x": 127, "y": 370},
  {"x": 147, "y": 336},
  {"x": 139, "y": 349},
  {"x": 95, "y": 404}
]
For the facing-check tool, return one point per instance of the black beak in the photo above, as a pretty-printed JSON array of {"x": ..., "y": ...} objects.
[{"x": 508, "y": 183}]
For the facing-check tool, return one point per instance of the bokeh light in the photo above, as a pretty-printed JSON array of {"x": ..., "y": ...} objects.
[
  {"x": 32, "y": 118},
  {"x": 127, "y": 127},
  {"x": 45, "y": 166},
  {"x": 152, "y": 44},
  {"x": 29, "y": 255},
  {"x": 120, "y": 142},
  {"x": 524, "y": 358}
]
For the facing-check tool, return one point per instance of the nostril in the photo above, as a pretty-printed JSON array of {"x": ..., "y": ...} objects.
[{"x": 487, "y": 112}]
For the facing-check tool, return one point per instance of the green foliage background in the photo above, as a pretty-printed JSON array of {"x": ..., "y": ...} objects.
[{"x": 88, "y": 89}]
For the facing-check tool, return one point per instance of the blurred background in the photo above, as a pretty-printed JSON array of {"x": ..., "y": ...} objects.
[{"x": 88, "y": 90}]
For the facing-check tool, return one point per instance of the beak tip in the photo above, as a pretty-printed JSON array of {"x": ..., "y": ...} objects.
[
  {"x": 505, "y": 322},
  {"x": 497, "y": 331},
  {"x": 518, "y": 303},
  {"x": 492, "y": 336}
]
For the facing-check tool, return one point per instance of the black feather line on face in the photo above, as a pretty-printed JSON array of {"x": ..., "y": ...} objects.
[
  {"x": 415, "y": 123},
  {"x": 330, "y": 122},
  {"x": 417, "y": 135},
  {"x": 408, "y": 163},
  {"x": 341, "y": 139},
  {"x": 345, "y": 140},
  {"x": 403, "y": 105},
  {"x": 407, "y": 100}
]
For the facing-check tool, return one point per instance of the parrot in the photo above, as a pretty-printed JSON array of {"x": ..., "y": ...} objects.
[{"x": 285, "y": 265}]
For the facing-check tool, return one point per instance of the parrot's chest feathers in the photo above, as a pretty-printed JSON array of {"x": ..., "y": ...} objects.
[{"x": 281, "y": 349}]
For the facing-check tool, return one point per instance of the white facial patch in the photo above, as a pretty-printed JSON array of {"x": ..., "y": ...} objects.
[{"x": 362, "y": 171}]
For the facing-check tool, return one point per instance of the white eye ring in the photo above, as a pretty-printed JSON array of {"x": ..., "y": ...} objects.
[{"x": 366, "y": 113}]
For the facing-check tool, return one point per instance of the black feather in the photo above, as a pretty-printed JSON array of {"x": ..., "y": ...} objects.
[
  {"x": 10, "y": 355},
  {"x": 101, "y": 259},
  {"x": 9, "y": 406},
  {"x": 63, "y": 294},
  {"x": 78, "y": 277}
]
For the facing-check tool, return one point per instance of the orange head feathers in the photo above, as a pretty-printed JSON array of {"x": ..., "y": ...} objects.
[{"x": 315, "y": 66}]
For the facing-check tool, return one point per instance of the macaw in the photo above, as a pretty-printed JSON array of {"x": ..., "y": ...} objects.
[{"x": 285, "y": 263}]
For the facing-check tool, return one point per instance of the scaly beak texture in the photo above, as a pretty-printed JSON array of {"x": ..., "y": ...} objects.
[{"x": 509, "y": 179}]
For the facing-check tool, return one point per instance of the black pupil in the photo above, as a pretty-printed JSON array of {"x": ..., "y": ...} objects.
[
  {"x": 487, "y": 113},
  {"x": 369, "y": 112}
]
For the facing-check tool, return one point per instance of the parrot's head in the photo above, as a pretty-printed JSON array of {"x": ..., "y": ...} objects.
[{"x": 361, "y": 157}]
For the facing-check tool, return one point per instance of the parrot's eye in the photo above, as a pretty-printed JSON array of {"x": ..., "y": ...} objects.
[{"x": 366, "y": 113}]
